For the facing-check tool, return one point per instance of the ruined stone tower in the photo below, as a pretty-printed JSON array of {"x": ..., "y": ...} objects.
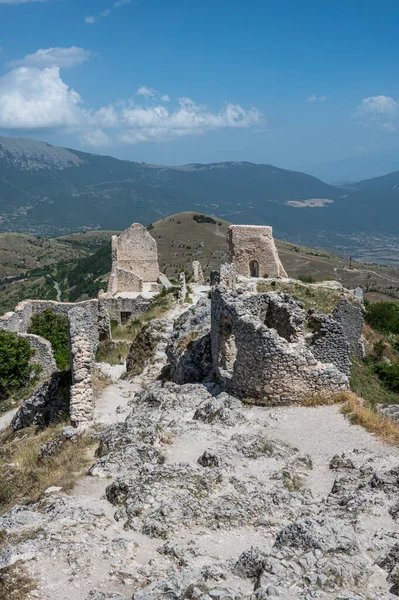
[
  {"x": 134, "y": 260},
  {"x": 253, "y": 252}
]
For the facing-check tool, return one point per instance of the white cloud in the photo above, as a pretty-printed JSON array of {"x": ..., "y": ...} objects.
[
  {"x": 60, "y": 57},
  {"x": 381, "y": 111},
  {"x": 378, "y": 106},
  {"x": 145, "y": 91},
  {"x": 150, "y": 93},
  {"x": 188, "y": 118},
  {"x": 38, "y": 98},
  {"x": 32, "y": 98},
  {"x": 19, "y": 1},
  {"x": 314, "y": 98},
  {"x": 90, "y": 19}
]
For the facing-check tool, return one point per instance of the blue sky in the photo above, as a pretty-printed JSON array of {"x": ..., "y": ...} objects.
[{"x": 300, "y": 84}]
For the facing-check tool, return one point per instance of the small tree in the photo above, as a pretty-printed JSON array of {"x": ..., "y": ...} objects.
[
  {"x": 15, "y": 369},
  {"x": 54, "y": 328}
]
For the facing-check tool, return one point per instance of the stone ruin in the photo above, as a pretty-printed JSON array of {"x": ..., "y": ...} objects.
[
  {"x": 264, "y": 347},
  {"x": 252, "y": 251},
  {"x": 198, "y": 275},
  {"x": 134, "y": 261}
]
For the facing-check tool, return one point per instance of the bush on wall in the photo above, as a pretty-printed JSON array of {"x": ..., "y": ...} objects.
[
  {"x": 15, "y": 370},
  {"x": 54, "y": 328}
]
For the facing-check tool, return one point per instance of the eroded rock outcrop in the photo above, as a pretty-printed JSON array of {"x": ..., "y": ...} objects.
[
  {"x": 189, "y": 349},
  {"x": 48, "y": 404}
]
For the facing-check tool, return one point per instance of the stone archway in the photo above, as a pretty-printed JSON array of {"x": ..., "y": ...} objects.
[{"x": 254, "y": 268}]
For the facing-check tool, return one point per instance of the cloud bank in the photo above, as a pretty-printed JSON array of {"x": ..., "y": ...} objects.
[
  {"x": 59, "y": 57},
  {"x": 34, "y": 96}
]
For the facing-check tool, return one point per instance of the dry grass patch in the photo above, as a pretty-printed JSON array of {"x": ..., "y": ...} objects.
[
  {"x": 326, "y": 399},
  {"x": 323, "y": 299},
  {"x": 24, "y": 477},
  {"x": 360, "y": 414},
  {"x": 112, "y": 352},
  {"x": 15, "y": 583}
]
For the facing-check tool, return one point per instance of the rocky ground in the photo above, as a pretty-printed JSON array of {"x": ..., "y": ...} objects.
[{"x": 202, "y": 497}]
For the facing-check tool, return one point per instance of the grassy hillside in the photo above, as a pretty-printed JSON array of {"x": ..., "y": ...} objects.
[
  {"x": 80, "y": 263},
  {"x": 20, "y": 253},
  {"x": 181, "y": 239},
  {"x": 87, "y": 240}
]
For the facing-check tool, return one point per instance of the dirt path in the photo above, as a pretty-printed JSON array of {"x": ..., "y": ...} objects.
[{"x": 6, "y": 418}]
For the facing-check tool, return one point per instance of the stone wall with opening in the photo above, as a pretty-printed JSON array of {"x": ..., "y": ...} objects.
[
  {"x": 251, "y": 249},
  {"x": 262, "y": 350}
]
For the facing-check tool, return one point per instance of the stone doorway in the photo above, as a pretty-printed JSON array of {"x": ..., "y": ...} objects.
[{"x": 254, "y": 268}]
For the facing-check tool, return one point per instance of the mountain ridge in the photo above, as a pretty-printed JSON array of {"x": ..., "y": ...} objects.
[{"x": 50, "y": 191}]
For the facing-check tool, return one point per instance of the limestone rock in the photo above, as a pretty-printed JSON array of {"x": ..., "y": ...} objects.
[
  {"x": 189, "y": 349},
  {"x": 328, "y": 535},
  {"x": 48, "y": 404}
]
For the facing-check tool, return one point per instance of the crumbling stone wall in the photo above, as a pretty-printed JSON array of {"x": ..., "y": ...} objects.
[
  {"x": 253, "y": 252},
  {"x": 228, "y": 276},
  {"x": 19, "y": 319},
  {"x": 44, "y": 356},
  {"x": 81, "y": 324},
  {"x": 104, "y": 321},
  {"x": 134, "y": 260},
  {"x": 198, "y": 275},
  {"x": 189, "y": 347},
  {"x": 261, "y": 350},
  {"x": 352, "y": 321},
  {"x": 182, "y": 288},
  {"x": 328, "y": 342},
  {"x": 48, "y": 404},
  {"x": 122, "y": 308}
]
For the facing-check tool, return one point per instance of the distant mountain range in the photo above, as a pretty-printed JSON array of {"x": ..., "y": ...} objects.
[{"x": 53, "y": 191}]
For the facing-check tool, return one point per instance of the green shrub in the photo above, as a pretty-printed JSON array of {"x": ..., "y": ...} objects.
[
  {"x": 383, "y": 316},
  {"x": 306, "y": 278},
  {"x": 204, "y": 219},
  {"x": 54, "y": 328},
  {"x": 389, "y": 375},
  {"x": 15, "y": 370}
]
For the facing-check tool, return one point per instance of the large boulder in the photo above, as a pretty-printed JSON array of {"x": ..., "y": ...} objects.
[
  {"x": 48, "y": 404},
  {"x": 189, "y": 349}
]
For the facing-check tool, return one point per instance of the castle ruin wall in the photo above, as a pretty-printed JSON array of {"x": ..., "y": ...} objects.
[
  {"x": 273, "y": 364},
  {"x": 252, "y": 250}
]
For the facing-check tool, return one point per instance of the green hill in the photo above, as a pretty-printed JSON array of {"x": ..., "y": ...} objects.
[{"x": 80, "y": 263}]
